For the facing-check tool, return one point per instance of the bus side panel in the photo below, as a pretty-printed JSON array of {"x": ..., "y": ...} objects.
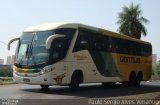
[
  {"x": 147, "y": 72},
  {"x": 82, "y": 61},
  {"x": 128, "y": 63},
  {"x": 105, "y": 66}
]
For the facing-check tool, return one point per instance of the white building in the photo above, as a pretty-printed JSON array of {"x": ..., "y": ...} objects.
[
  {"x": 10, "y": 60},
  {"x": 154, "y": 59},
  {"x": 1, "y": 61}
]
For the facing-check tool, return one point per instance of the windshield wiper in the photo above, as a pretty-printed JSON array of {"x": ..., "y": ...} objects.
[
  {"x": 30, "y": 51},
  {"x": 25, "y": 55},
  {"x": 27, "y": 51}
]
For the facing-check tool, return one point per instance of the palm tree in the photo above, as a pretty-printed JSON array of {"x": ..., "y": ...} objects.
[{"x": 131, "y": 21}]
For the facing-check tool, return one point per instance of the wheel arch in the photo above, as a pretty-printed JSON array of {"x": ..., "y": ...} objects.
[{"x": 80, "y": 72}]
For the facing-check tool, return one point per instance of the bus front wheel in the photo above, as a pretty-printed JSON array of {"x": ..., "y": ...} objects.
[
  {"x": 44, "y": 86},
  {"x": 108, "y": 84},
  {"x": 76, "y": 79}
]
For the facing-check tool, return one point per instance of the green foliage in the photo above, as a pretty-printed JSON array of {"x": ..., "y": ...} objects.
[
  {"x": 6, "y": 72},
  {"x": 156, "y": 68},
  {"x": 131, "y": 21}
]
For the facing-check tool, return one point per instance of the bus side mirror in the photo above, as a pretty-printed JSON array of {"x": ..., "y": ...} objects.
[
  {"x": 9, "y": 43},
  {"x": 51, "y": 38}
]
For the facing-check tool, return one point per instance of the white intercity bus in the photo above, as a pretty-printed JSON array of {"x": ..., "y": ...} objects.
[{"x": 72, "y": 53}]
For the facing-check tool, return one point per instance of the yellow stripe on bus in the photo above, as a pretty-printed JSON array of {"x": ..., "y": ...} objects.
[{"x": 20, "y": 70}]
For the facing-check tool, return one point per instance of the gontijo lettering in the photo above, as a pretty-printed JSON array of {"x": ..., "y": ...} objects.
[{"x": 129, "y": 59}]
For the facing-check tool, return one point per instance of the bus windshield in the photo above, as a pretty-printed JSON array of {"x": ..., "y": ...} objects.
[{"x": 32, "y": 51}]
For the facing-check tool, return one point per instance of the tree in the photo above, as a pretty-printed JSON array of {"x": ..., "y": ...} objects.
[
  {"x": 6, "y": 72},
  {"x": 131, "y": 21},
  {"x": 156, "y": 68}
]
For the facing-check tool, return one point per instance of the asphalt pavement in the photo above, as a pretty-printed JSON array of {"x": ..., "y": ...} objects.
[{"x": 23, "y": 94}]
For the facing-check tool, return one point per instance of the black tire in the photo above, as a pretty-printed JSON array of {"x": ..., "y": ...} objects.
[
  {"x": 132, "y": 79},
  {"x": 44, "y": 86},
  {"x": 108, "y": 84},
  {"x": 126, "y": 84},
  {"x": 138, "y": 79},
  {"x": 75, "y": 81},
  {"x": 131, "y": 82}
]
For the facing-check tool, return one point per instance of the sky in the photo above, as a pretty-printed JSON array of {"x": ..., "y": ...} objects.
[{"x": 16, "y": 15}]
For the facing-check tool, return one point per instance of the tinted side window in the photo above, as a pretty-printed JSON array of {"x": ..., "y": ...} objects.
[
  {"x": 127, "y": 47},
  {"x": 146, "y": 50},
  {"x": 60, "y": 46},
  {"x": 90, "y": 40},
  {"x": 69, "y": 32},
  {"x": 82, "y": 41},
  {"x": 59, "y": 49}
]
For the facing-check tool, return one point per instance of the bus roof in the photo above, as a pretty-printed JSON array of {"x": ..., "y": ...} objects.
[
  {"x": 51, "y": 26},
  {"x": 121, "y": 36}
]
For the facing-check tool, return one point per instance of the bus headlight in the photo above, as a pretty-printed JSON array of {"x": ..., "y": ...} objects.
[{"x": 43, "y": 71}]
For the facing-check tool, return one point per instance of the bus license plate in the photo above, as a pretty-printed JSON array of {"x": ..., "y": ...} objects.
[{"x": 26, "y": 80}]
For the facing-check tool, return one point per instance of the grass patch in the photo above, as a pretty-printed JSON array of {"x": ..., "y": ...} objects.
[{"x": 3, "y": 82}]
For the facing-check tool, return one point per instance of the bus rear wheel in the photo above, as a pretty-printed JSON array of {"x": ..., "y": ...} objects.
[
  {"x": 132, "y": 79},
  {"x": 138, "y": 79}
]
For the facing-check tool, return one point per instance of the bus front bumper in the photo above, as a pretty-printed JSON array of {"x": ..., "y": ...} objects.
[{"x": 44, "y": 79}]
